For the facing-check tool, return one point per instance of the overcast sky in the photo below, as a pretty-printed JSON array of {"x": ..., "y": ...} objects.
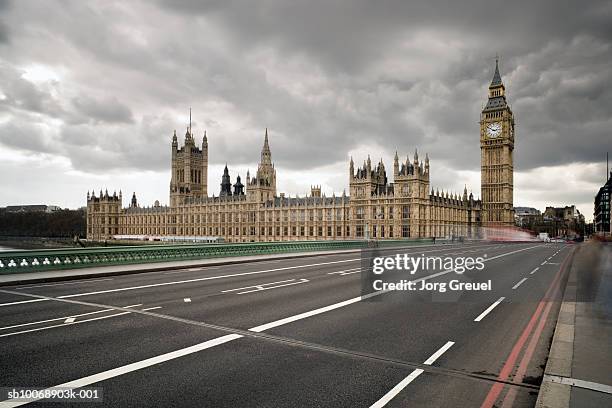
[{"x": 90, "y": 92}]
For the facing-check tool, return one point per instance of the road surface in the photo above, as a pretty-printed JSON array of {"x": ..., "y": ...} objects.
[{"x": 287, "y": 333}]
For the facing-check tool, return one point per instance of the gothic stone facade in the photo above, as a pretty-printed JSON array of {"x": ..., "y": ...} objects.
[{"x": 376, "y": 209}]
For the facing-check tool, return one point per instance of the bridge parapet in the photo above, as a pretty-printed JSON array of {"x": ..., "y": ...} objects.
[{"x": 74, "y": 258}]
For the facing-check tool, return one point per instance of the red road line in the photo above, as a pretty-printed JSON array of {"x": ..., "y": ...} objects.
[
  {"x": 506, "y": 370},
  {"x": 522, "y": 369}
]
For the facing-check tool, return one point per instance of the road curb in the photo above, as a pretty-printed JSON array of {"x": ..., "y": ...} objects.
[{"x": 559, "y": 364}]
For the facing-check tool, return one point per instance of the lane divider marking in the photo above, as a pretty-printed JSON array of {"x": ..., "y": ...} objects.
[
  {"x": 534, "y": 271},
  {"x": 264, "y": 286},
  {"x": 72, "y": 323},
  {"x": 63, "y": 318},
  {"x": 411, "y": 377},
  {"x": 489, "y": 309},
  {"x": 519, "y": 283}
]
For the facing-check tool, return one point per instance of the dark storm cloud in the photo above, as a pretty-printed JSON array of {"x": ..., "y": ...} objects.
[{"x": 325, "y": 76}]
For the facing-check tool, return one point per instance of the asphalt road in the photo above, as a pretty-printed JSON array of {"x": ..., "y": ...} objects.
[{"x": 291, "y": 333}]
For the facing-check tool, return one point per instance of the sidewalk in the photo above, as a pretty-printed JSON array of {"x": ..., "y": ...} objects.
[{"x": 579, "y": 368}]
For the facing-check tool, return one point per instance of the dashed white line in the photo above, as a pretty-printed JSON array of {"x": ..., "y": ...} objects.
[
  {"x": 72, "y": 323},
  {"x": 62, "y": 318},
  {"x": 489, "y": 309},
  {"x": 20, "y": 302},
  {"x": 543, "y": 263},
  {"x": 438, "y": 353},
  {"x": 519, "y": 283},
  {"x": 345, "y": 272},
  {"x": 411, "y": 377},
  {"x": 266, "y": 286},
  {"x": 534, "y": 271},
  {"x": 187, "y": 300}
]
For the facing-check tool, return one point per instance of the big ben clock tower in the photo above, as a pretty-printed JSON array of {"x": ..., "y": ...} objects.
[{"x": 496, "y": 156}]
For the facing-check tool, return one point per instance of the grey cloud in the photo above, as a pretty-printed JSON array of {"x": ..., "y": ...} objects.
[
  {"x": 325, "y": 77},
  {"x": 103, "y": 110}
]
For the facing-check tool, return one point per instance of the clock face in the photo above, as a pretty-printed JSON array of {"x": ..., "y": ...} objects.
[{"x": 494, "y": 129}]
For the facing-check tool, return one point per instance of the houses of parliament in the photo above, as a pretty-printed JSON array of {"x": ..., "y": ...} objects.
[{"x": 408, "y": 207}]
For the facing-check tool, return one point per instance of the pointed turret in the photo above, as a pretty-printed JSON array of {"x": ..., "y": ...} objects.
[
  {"x": 395, "y": 165},
  {"x": 496, "y": 81},
  {"x": 352, "y": 167},
  {"x": 266, "y": 155},
  {"x": 226, "y": 184},
  {"x": 238, "y": 187}
]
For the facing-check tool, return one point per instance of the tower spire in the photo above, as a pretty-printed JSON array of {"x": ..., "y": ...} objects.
[{"x": 496, "y": 76}]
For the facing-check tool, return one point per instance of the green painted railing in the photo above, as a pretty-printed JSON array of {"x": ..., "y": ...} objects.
[{"x": 72, "y": 258}]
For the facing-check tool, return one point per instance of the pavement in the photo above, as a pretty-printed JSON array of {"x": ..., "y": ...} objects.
[
  {"x": 291, "y": 332},
  {"x": 578, "y": 370}
]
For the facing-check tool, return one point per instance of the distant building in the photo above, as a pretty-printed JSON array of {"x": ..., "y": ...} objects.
[
  {"x": 567, "y": 221},
  {"x": 525, "y": 216},
  {"x": 556, "y": 221},
  {"x": 601, "y": 215},
  {"x": 32, "y": 208}
]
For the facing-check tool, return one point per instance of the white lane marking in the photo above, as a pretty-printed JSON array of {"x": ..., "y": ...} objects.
[
  {"x": 534, "y": 271},
  {"x": 438, "y": 353},
  {"x": 359, "y": 298},
  {"x": 20, "y": 302},
  {"x": 69, "y": 320},
  {"x": 605, "y": 388},
  {"x": 259, "y": 285},
  {"x": 220, "y": 340},
  {"x": 153, "y": 285},
  {"x": 63, "y": 283},
  {"x": 266, "y": 286},
  {"x": 488, "y": 309},
  {"x": 397, "y": 389},
  {"x": 306, "y": 314},
  {"x": 73, "y": 323},
  {"x": 543, "y": 263},
  {"x": 62, "y": 318},
  {"x": 411, "y": 377},
  {"x": 187, "y": 300},
  {"x": 552, "y": 263},
  {"x": 115, "y": 372},
  {"x": 519, "y": 283},
  {"x": 345, "y": 272}
]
